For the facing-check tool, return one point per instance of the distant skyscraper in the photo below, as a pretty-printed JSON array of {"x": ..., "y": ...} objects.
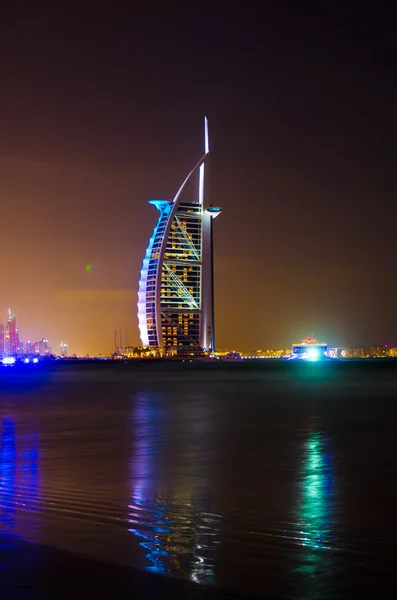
[
  {"x": 1, "y": 338},
  {"x": 64, "y": 350},
  {"x": 7, "y": 344},
  {"x": 175, "y": 298},
  {"x": 11, "y": 336},
  {"x": 42, "y": 348}
]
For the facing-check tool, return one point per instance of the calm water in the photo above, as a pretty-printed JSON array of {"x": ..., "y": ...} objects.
[{"x": 273, "y": 479}]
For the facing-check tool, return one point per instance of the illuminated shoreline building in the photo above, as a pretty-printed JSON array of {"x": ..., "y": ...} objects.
[
  {"x": 176, "y": 288},
  {"x": 309, "y": 349}
]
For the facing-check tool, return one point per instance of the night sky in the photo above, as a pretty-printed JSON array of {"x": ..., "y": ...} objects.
[{"x": 101, "y": 109}]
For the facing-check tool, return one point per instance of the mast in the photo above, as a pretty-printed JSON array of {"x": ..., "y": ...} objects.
[{"x": 202, "y": 168}]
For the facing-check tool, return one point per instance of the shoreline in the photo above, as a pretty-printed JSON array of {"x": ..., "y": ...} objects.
[{"x": 34, "y": 572}]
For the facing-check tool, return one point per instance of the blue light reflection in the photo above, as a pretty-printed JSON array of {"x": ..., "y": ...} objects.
[
  {"x": 19, "y": 477},
  {"x": 8, "y": 459},
  {"x": 177, "y": 537}
]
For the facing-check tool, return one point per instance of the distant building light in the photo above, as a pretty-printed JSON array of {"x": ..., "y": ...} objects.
[
  {"x": 313, "y": 354},
  {"x": 8, "y": 360}
]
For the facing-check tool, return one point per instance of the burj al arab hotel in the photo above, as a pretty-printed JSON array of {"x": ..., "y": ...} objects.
[{"x": 176, "y": 288}]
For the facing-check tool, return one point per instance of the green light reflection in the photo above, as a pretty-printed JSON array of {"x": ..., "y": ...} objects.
[
  {"x": 316, "y": 489},
  {"x": 314, "y": 514}
]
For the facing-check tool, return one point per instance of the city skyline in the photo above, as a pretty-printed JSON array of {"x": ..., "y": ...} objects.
[
  {"x": 11, "y": 343},
  {"x": 303, "y": 131}
]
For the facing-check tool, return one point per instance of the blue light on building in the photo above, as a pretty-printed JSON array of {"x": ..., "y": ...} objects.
[{"x": 309, "y": 349}]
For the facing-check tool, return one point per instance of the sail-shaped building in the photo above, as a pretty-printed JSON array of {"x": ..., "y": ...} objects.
[{"x": 176, "y": 288}]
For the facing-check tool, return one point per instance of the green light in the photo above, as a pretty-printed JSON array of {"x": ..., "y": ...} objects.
[
  {"x": 313, "y": 515},
  {"x": 313, "y": 510}
]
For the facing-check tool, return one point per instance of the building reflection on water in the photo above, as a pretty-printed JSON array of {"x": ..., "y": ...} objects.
[
  {"x": 19, "y": 474},
  {"x": 314, "y": 514},
  {"x": 178, "y": 537},
  {"x": 8, "y": 462}
]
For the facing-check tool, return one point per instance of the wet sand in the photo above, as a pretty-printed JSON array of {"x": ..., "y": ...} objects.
[{"x": 33, "y": 572}]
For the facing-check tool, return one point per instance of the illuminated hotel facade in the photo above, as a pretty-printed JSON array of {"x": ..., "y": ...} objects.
[{"x": 176, "y": 288}]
